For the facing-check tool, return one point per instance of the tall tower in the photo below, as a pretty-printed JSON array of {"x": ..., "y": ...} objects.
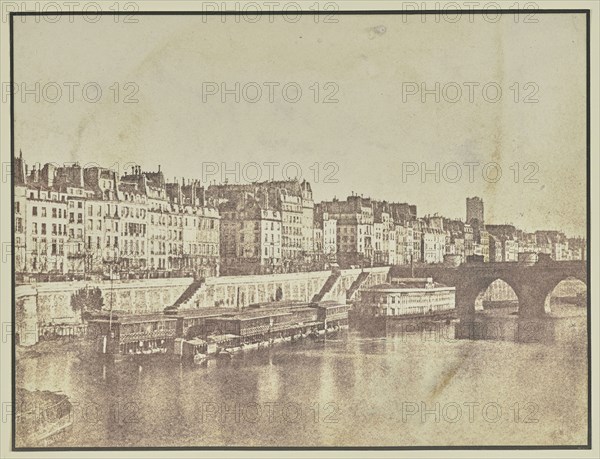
[{"x": 475, "y": 210}]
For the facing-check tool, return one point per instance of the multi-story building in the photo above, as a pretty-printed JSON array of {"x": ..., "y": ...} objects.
[
  {"x": 527, "y": 242},
  {"x": 469, "y": 240},
  {"x": 308, "y": 208},
  {"x": 496, "y": 251},
  {"x": 292, "y": 199},
  {"x": 385, "y": 245},
  {"x": 417, "y": 240},
  {"x": 329, "y": 236},
  {"x": 133, "y": 227},
  {"x": 404, "y": 243},
  {"x": 251, "y": 237},
  {"x": 292, "y": 217},
  {"x": 194, "y": 225},
  {"x": 354, "y": 219},
  {"x": 41, "y": 222},
  {"x": 481, "y": 243},
  {"x": 504, "y": 244},
  {"x": 318, "y": 238},
  {"x": 433, "y": 244},
  {"x": 20, "y": 210},
  {"x": 578, "y": 248},
  {"x": 455, "y": 238},
  {"x": 553, "y": 243},
  {"x": 325, "y": 236}
]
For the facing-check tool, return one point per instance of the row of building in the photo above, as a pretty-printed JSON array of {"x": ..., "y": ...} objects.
[
  {"x": 83, "y": 221},
  {"x": 78, "y": 221}
]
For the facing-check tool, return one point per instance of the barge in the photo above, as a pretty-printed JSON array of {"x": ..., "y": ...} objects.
[{"x": 196, "y": 334}]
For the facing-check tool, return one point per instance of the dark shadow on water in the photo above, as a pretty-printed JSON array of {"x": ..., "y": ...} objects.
[{"x": 566, "y": 324}]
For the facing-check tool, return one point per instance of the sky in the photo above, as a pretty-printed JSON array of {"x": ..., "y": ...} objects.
[{"x": 361, "y": 122}]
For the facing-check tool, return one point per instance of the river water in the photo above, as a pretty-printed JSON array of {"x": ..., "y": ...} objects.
[{"x": 402, "y": 387}]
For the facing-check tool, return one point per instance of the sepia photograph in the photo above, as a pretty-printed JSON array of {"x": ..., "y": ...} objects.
[{"x": 280, "y": 225}]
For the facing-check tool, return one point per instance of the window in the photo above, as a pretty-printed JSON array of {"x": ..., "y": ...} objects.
[
  {"x": 43, "y": 228},
  {"x": 54, "y": 212},
  {"x": 34, "y": 211},
  {"x": 43, "y": 211}
]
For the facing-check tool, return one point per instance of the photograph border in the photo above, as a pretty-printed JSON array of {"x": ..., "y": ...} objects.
[{"x": 588, "y": 445}]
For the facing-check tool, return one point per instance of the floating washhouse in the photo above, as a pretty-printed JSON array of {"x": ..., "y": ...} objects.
[{"x": 128, "y": 334}]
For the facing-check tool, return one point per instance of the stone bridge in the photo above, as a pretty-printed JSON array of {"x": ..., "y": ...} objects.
[{"x": 532, "y": 283}]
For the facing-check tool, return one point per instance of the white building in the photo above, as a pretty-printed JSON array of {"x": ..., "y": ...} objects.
[{"x": 407, "y": 297}]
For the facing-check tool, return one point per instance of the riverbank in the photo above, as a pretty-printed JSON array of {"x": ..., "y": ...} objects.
[{"x": 52, "y": 347}]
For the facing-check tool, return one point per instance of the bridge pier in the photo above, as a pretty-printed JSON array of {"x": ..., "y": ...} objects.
[{"x": 532, "y": 298}]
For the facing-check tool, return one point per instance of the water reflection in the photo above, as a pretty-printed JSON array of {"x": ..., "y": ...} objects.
[{"x": 356, "y": 388}]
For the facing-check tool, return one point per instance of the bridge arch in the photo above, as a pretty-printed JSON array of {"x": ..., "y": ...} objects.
[
  {"x": 578, "y": 282},
  {"x": 484, "y": 283},
  {"x": 498, "y": 290}
]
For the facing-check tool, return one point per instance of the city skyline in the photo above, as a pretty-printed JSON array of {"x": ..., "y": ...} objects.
[{"x": 189, "y": 179}]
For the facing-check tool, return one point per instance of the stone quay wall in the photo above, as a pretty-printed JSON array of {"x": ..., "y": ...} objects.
[{"x": 44, "y": 305}]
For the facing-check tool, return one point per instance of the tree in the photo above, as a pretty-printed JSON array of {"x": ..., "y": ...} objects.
[
  {"x": 278, "y": 294},
  {"x": 87, "y": 300}
]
